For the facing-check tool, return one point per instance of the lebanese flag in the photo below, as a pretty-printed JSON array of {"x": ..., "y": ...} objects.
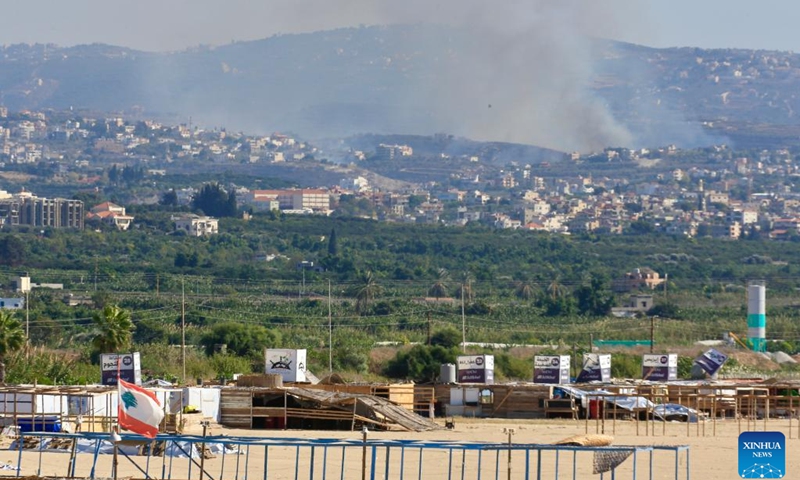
[{"x": 139, "y": 410}]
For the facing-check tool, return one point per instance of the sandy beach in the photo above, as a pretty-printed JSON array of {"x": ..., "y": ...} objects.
[{"x": 712, "y": 457}]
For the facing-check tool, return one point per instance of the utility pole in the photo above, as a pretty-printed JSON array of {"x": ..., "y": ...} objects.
[
  {"x": 27, "y": 316},
  {"x": 330, "y": 331},
  {"x": 24, "y": 285},
  {"x": 652, "y": 331},
  {"x": 429, "y": 327},
  {"x": 463, "y": 323},
  {"x": 573, "y": 361},
  {"x": 183, "y": 328}
]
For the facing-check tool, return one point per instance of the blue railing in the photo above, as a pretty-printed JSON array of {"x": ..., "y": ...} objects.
[{"x": 253, "y": 458}]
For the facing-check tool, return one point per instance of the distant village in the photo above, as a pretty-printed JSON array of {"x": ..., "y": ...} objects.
[{"x": 727, "y": 194}]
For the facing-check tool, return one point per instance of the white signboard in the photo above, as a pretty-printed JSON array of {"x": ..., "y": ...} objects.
[
  {"x": 553, "y": 369},
  {"x": 476, "y": 361},
  {"x": 289, "y": 364},
  {"x": 129, "y": 366},
  {"x": 476, "y": 369},
  {"x": 596, "y": 368},
  {"x": 656, "y": 360},
  {"x": 660, "y": 367}
]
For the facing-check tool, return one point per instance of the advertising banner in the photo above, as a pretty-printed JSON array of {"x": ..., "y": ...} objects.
[
  {"x": 130, "y": 368},
  {"x": 476, "y": 375},
  {"x": 660, "y": 367},
  {"x": 596, "y": 368},
  {"x": 476, "y": 369},
  {"x": 711, "y": 361},
  {"x": 552, "y": 369},
  {"x": 289, "y": 364}
]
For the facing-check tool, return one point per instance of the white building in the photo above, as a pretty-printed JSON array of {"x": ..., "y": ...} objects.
[
  {"x": 12, "y": 303},
  {"x": 197, "y": 226},
  {"x": 295, "y": 199}
]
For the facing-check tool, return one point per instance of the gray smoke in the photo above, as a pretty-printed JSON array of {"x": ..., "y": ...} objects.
[
  {"x": 522, "y": 74},
  {"x": 518, "y": 71}
]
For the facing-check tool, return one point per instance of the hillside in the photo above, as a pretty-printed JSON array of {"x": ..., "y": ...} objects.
[{"x": 424, "y": 80}]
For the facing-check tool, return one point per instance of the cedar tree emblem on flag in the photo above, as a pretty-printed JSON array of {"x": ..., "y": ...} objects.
[{"x": 139, "y": 409}]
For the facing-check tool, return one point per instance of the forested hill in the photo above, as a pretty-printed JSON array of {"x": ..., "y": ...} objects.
[{"x": 389, "y": 80}]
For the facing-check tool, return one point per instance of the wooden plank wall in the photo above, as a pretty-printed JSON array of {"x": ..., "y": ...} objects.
[
  {"x": 236, "y": 408},
  {"x": 518, "y": 401},
  {"x": 424, "y": 400}
]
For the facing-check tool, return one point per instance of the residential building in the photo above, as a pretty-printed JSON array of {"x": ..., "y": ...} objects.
[
  {"x": 111, "y": 214},
  {"x": 639, "y": 278},
  {"x": 197, "y": 226},
  {"x": 583, "y": 224},
  {"x": 744, "y": 217},
  {"x": 12, "y": 303},
  {"x": 25, "y": 208},
  {"x": 718, "y": 197},
  {"x": 296, "y": 199},
  {"x": 730, "y": 230},
  {"x": 390, "y": 152},
  {"x": 636, "y": 305}
]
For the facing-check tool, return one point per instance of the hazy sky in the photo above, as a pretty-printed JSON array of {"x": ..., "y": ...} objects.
[{"x": 159, "y": 25}]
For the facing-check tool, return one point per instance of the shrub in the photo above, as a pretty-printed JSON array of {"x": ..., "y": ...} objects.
[
  {"x": 421, "y": 363},
  {"x": 513, "y": 368},
  {"x": 447, "y": 337}
]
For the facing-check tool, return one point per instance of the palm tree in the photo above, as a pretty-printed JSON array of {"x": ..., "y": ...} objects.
[
  {"x": 465, "y": 290},
  {"x": 365, "y": 291},
  {"x": 439, "y": 287},
  {"x": 556, "y": 290},
  {"x": 523, "y": 290},
  {"x": 12, "y": 338},
  {"x": 114, "y": 329}
]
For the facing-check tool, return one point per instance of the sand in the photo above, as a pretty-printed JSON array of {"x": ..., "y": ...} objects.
[{"x": 711, "y": 456}]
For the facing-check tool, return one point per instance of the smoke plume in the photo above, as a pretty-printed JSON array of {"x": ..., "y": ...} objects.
[{"x": 523, "y": 71}]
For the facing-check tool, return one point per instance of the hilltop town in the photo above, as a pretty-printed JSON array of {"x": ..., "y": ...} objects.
[{"x": 715, "y": 191}]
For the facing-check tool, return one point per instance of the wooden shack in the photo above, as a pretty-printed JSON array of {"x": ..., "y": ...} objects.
[
  {"x": 315, "y": 408},
  {"x": 520, "y": 400}
]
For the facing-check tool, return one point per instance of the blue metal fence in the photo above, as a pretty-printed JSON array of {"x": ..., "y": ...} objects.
[{"x": 254, "y": 458}]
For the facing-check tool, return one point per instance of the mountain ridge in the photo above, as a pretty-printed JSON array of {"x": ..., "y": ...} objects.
[{"x": 398, "y": 79}]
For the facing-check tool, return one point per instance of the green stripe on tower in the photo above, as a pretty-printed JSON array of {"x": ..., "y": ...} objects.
[{"x": 756, "y": 320}]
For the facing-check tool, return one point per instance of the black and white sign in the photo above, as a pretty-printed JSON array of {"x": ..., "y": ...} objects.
[
  {"x": 130, "y": 368},
  {"x": 660, "y": 368},
  {"x": 289, "y": 364},
  {"x": 596, "y": 368},
  {"x": 553, "y": 369},
  {"x": 476, "y": 369},
  {"x": 711, "y": 361}
]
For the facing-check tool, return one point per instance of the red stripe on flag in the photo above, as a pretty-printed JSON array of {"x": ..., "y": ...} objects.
[
  {"x": 129, "y": 422},
  {"x": 134, "y": 425}
]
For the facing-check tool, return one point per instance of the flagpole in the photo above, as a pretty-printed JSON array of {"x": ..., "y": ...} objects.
[
  {"x": 330, "y": 331},
  {"x": 116, "y": 449},
  {"x": 183, "y": 332},
  {"x": 115, "y": 428}
]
